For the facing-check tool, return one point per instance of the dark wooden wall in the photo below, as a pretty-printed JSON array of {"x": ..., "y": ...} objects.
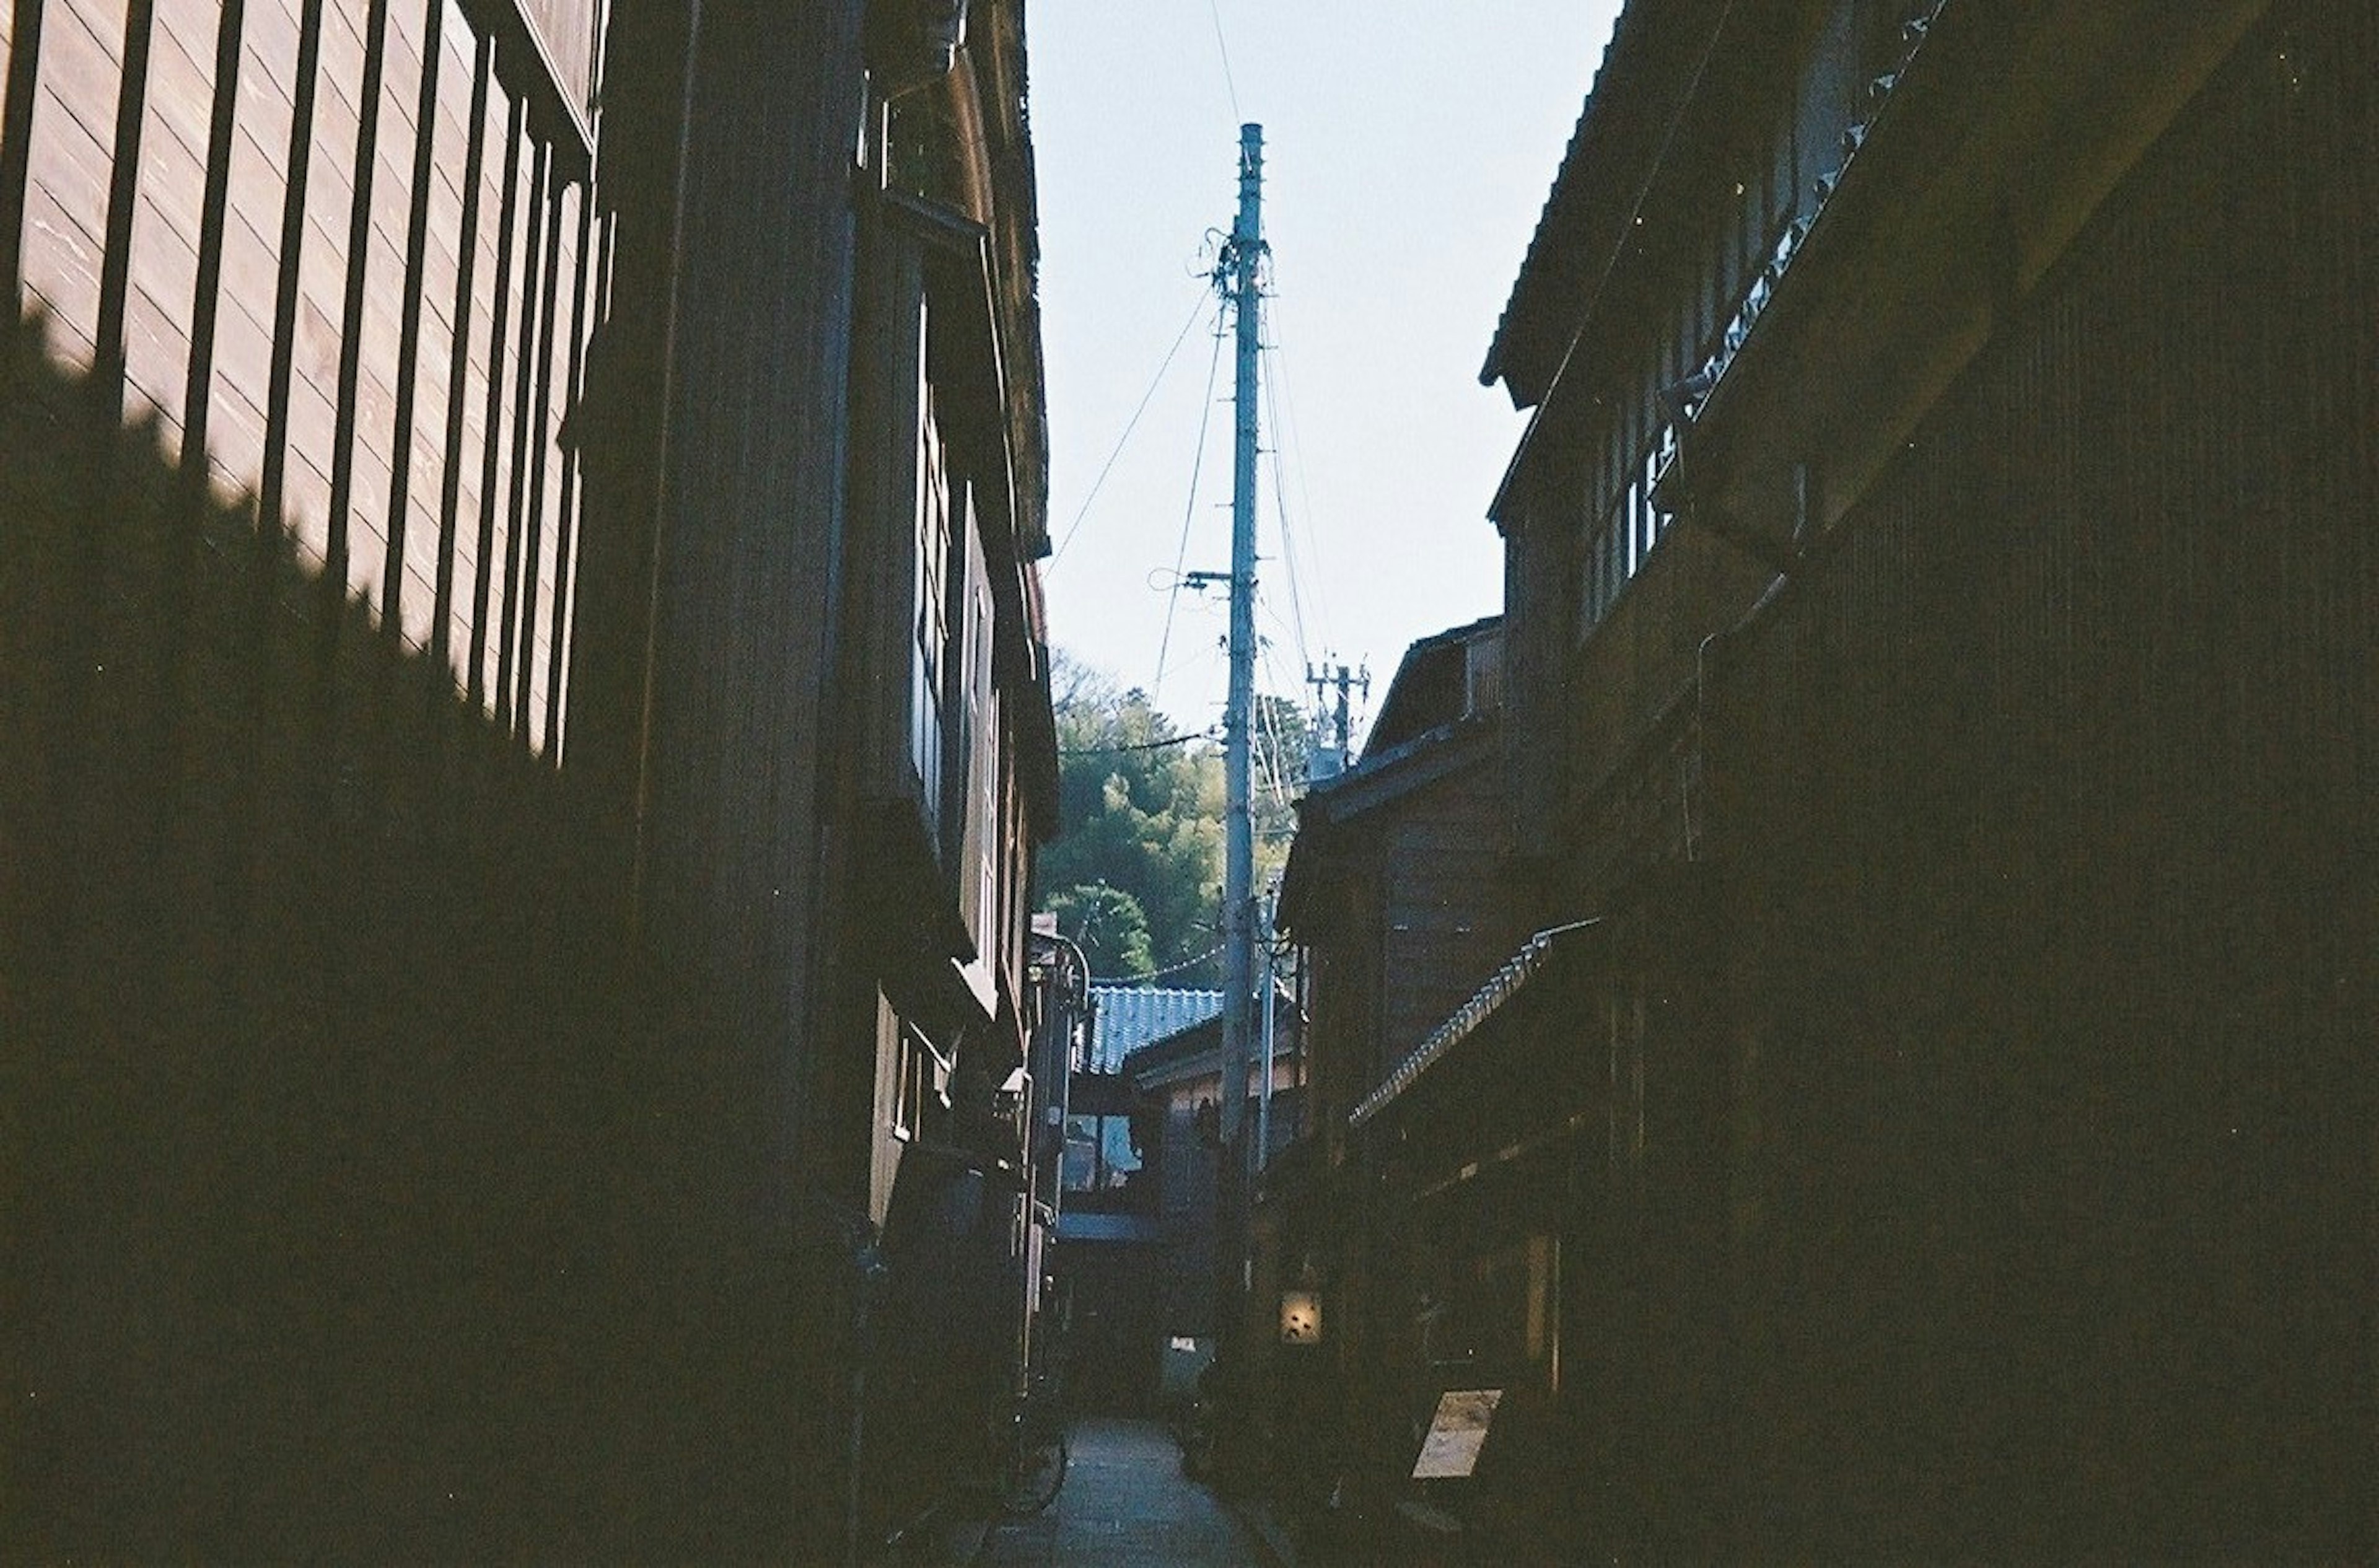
[
  {"x": 374, "y": 1183},
  {"x": 2050, "y": 796}
]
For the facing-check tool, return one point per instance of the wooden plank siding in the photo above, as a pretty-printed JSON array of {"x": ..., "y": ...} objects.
[
  {"x": 384, "y": 328},
  {"x": 2027, "y": 996},
  {"x": 69, "y": 165},
  {"x": 381, "y": 431},
  {"x": 166, "y": 224}
]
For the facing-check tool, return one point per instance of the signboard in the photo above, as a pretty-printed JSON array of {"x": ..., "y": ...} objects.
[{"x": 1456, "y": 1433}]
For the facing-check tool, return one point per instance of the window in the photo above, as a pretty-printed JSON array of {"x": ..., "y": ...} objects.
[
  {"x": 1100, "y": 1154},
  {"x": 931, "y": 629},
  {"x": 924, "y": 1092}
]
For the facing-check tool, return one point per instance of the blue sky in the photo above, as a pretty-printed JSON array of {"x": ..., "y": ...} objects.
[{"x": 1408, "y": 150}]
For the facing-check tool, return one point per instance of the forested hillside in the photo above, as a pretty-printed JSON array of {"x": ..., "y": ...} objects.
[{"x": 1136, "y": 874}]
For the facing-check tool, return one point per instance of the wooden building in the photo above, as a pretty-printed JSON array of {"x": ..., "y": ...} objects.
[
  {"x": 526, "y": 708},
  {"x": 1935, "y": 1117},
  {"x": 1399, "y": 894}
]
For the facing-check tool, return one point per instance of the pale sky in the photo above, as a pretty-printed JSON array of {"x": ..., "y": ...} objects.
[{"x": 1408, "y": 150}]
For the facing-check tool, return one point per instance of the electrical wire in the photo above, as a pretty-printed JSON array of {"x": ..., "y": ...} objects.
[
  {"x": 1171, "y": 969},
  {"x": 1189, "y": 507},
  {"x": 1287, "y": 536},
  {"x": 1129, "y": 425},
  {"x": 1230, "y": 87},
  {"x": 1290, "y": 438},
  {"x": 1134, "y": 746}
]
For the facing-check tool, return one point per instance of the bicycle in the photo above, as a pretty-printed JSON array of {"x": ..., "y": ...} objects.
[{"x": 1033, "y": 1452}]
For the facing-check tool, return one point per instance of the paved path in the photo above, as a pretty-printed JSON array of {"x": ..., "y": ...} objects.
[{"x": 1125, "y": 1504}]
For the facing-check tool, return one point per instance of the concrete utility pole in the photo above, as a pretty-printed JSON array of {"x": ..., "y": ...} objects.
[
  {"x": 1331, "y": 761},
  {"x": 1239, "y": 845}
]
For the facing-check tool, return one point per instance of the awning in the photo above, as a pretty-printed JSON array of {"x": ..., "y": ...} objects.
[{"x": 1501, "y": 987}]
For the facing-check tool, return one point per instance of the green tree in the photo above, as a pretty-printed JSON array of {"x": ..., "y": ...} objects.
[
  {"x": 1109, "y": 926},
  {"x": 1140, "y": 809},
  {"x": 1140, "y": 814}
]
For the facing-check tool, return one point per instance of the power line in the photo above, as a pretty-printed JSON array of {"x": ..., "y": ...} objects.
[
  {"x": 1131, "y": 425},
  {"x": 1288, "y": 536},
  {"x": 1189, "y": 507},
  {"x": 1215, "y": 11},
  {"x": 1161, "y": 973},
  {"x": 1133, "y": 746},
  {"x": 1285, "y": 410}
]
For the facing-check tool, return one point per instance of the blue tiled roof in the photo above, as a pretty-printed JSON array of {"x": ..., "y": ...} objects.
[{"x": 1131, "y": 1016}]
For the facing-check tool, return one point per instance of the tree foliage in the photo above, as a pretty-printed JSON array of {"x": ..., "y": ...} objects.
[
  {"x": 1136, "y": 873},
  {"x": 1141, "y": 815},
  {"x": 1110, "y": 927}
]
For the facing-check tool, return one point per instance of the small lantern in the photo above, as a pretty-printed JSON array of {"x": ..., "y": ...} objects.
[{"x": 1300, "y": 1316}]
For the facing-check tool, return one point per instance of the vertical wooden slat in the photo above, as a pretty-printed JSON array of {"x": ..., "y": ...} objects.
[
  {"x": 20, "y": 57},
  {"x": 272, "y": 495},
  {"x": 448, "y": 632},
  {"x": 357, "y": 257},
  {"x": 166, "y": 233},
  {"x": 130, "y": 97},
  {"x": 254, "y": 191},
  {"x": 529, "y": 299},
  {"x": 406, "y": 594},
  {"x": 537, "y": 572},
  {"x": 183, "y": 21},
  {"x": 320, "y": 327},
  {"x": 384, "y": 366},
  {"x": 69, "y": 171},
  {"x": 502, "y": 279},
  {"x": 586, "y": 311}
]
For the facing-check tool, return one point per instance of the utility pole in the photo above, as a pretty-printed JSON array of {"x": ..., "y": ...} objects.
[
  {"x": 1238, "y": 270},
  {"x": 1334, "y": 761}
]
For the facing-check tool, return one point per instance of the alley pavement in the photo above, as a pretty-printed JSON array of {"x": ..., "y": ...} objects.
[{"x": 1125, "y": 1504}]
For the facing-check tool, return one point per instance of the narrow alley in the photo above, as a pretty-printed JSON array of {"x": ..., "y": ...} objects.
[
  {"x": 615, "y": 950},
  {"x": 1127, "y": 1504}
]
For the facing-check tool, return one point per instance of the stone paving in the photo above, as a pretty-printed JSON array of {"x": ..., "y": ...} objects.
[{"x": 1125, "y": 1504}]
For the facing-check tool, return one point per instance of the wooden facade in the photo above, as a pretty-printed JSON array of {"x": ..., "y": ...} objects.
[
  {"x": 468, "y": 993},
  {"x": 1938, "y": 708}
]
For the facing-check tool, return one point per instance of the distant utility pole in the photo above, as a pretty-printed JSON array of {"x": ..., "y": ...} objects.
[
  {"x": 1237, "y": 272},
  {"x": 1333, "y": 760}
]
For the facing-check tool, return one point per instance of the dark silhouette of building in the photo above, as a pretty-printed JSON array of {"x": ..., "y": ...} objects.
[
  {"x": 1933, "y": 1117},
  {"x": 525, "y": 701}
]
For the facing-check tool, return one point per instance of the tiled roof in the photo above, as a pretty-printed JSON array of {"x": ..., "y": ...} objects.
[{"x": 1131, "y": 1016}]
